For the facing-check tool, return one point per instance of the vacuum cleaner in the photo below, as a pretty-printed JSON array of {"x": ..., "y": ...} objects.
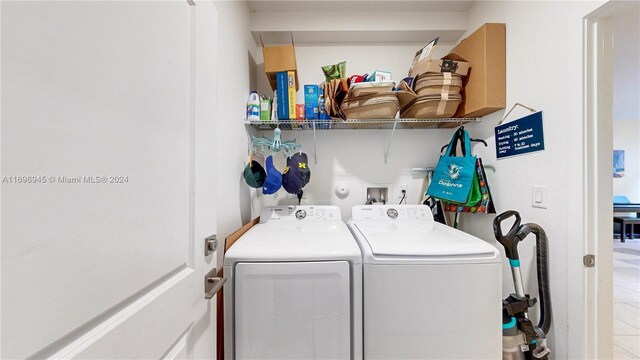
[{"x": 521, "y": 339}]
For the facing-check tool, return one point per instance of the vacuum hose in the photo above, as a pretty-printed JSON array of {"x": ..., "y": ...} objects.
[{"x": 542, "y": 263}]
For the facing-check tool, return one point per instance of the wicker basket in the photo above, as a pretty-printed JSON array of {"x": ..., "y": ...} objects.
[
  {"x": 368, "y": 88},
  {"x": 374, "y": 106},
  {"x": 431, "y": 106},
  {"x": 438, "y": 83}
]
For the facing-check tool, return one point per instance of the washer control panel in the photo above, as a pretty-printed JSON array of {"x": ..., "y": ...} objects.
[
  {"x": 300, "y": 213},
  {"x": 392, "y": 212}
]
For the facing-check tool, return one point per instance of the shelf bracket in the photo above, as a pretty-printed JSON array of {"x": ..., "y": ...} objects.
[
  {"x": 315, "y": 149},
  {"x": 393, "y": 131}
]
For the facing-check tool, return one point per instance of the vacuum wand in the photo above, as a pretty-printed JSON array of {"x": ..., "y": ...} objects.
[
  {"x": 510, "y": 242},
  {"x": 517, "y": 279}
]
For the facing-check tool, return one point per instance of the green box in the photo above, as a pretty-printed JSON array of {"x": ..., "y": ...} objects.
[{"x": 265, "y": 109}]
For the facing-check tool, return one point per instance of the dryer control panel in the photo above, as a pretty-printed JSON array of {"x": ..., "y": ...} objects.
[
  {"x": 392, "y": 212},
  {"x": 300, "y": 213}
]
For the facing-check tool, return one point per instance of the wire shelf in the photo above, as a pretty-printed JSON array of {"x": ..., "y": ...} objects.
[{"x": 359, "y": 124}]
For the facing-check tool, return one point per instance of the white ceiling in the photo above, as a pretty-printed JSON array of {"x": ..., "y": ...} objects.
[
  {"x": 314, "y": 22},
  {"x": 358, "y": 5}
]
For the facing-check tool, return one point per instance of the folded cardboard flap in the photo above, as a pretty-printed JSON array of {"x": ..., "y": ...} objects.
[
  {"x": 279, "y": 58},
  {"x": 426, "y": 52},
  {"x": 228, "y": 241},
  {"x": 423, "y": 62},
  {"x": 443, "y": 65},
  {"x": 405, "y": 94},
  {"x": 334, "y": 92},
  {"x": 454, "y": 56}
]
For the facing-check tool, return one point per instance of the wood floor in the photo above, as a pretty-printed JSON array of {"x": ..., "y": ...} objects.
[{"x": 626, "y": 297}]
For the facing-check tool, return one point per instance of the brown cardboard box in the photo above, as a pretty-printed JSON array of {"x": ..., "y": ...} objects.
[
  {"x": 485, "y": 85},
  {"x": 450, "y": 63},
  {"x": 279, "y": 58}
]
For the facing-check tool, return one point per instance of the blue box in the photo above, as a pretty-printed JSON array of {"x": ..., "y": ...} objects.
[
  {"x": 311, "y": 102},
  {"x": 283, "y": 95}
]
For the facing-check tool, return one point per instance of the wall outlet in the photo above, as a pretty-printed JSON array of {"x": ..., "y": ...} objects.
[
  {"x": 539, "y": 197},
  {"x": 402, "y": 192}
]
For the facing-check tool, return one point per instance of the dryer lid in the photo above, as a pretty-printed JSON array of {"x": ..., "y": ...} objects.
[
  {"x": 421, "y": 238},
  {"x": 313, "y": 241}
]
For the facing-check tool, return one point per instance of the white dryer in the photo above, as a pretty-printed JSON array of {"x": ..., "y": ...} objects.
[
  {"x": 294, "y": 287},
  {"x": 430, "y": 291}
]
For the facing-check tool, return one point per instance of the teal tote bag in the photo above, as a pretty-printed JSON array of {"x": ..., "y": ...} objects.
[{"x": 453, "y": 176}]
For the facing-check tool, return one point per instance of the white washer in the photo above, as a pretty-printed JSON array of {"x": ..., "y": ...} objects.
[
  {"x": 430, "y": 291},
  {"x": 294, "y": 287}
]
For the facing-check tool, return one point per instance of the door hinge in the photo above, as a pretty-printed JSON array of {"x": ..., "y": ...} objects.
[
  {"x": 589, "y": 260},
  {"x": 210, "y": 245}
]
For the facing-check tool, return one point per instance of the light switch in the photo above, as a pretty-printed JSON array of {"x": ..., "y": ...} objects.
[{"x": 539, "y": 198}]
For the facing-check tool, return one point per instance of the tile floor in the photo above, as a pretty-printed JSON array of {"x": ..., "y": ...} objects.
[{"x": 626, "y": 297}]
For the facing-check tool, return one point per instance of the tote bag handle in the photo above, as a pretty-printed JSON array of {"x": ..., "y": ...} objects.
[{"x": 462, "y": 136}]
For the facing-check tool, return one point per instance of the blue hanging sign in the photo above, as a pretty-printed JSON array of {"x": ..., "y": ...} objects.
[{"x": 520, "y": 136}]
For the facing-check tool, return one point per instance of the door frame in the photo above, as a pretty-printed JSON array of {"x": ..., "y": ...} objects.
[{"x": 597, "y": 148}]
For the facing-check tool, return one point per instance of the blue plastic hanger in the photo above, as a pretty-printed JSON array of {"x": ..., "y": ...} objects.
[{"x": 276, "y": 144}]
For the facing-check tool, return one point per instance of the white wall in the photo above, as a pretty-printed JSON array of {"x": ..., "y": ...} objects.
[
  {"x": 626, "y": 63},
  {"x": 544, "y": 71},
  {"x": 626, "y": 104},
  {"x": 236, "y": 76},
  {"x": 626, "y": 136},
  {"x": 355, "y": 158}
]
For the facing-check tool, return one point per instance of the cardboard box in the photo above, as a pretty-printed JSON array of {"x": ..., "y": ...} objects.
[
  {"x": 277, "y": 59},
  {"x": 265, "y": 109},
  {"x": 450, "y": 63},
  {"x": 485, "y": 85},
  {"x": 282, "y": 91},
  {"x": 423, "y": 62},
  {"x": 292, "y": 86},
  {"x": 379, "y": 76},
  {"x": 300, "y": 112},
  {"x": 311, "y": 101}
]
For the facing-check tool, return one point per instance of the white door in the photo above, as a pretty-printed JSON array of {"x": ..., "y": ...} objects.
[{"x": 108, "y": 178}]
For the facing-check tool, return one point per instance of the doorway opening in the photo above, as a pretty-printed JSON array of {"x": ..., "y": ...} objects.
[{"x": 626, "y": 182}]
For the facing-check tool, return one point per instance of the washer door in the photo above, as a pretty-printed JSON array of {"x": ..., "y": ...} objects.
[
  {"x": 433, "y": 311},
  {"x": 293, "y": 310}
]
